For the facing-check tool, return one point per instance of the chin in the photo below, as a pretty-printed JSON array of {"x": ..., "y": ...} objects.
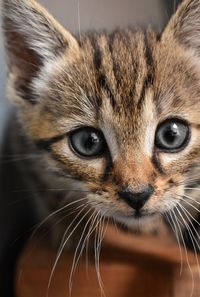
[{"x": 139, "y": 221}]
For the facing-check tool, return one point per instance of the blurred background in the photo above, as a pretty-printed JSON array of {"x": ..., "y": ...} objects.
[{"x": 95, "y": 14}]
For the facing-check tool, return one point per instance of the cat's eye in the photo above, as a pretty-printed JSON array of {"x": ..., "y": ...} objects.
[
  {"x": 172, "y": 135},
  {"x": 87, "y": 142}
]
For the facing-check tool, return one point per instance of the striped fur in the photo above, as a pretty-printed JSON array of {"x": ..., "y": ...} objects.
[{"x": 124, "y": 83}]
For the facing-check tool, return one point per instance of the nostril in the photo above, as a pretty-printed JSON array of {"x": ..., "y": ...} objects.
[
  {"x": 136, "y": 199},
  {"x": 126, "y": 195}
]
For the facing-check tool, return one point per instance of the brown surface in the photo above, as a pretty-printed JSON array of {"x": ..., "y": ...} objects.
[{"x": 130, "y": 266}]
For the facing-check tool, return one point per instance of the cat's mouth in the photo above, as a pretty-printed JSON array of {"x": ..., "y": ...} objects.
[
  {"x": 137, "y": 220},
  {"x": 137, "y": 216},
  {"x": 140, "y": 216}
]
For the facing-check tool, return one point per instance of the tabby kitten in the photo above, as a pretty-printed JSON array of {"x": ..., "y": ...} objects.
[{"x": 108, "y": 123}]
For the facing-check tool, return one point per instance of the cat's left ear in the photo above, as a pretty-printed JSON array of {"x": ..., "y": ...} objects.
[
  {"x": 184, "y": 25},
  {"x": 33, "y": 39}
]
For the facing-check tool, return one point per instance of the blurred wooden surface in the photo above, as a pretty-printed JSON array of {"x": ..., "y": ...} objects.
[{"x": 130, "y": 266}]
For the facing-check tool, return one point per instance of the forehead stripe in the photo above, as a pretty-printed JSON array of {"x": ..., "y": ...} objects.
[
  {"x": 101, "y": 76},
  {"x": 149, "y": 79}
]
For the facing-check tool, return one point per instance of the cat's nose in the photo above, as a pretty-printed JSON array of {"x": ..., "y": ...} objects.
[{"x": 136, "y": 200}]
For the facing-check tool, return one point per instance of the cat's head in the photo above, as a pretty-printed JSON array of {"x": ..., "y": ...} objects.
[{"x": 120, "y": 111}]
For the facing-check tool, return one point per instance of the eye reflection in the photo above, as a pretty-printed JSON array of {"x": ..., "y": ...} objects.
[
  {"x": 172, "y": 135},
  {"x": 88, "y": 142}
]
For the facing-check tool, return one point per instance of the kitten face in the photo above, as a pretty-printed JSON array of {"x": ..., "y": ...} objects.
[{"x": 123, "y": 89}]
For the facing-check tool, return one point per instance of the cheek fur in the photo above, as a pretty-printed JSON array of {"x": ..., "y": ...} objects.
[
  {"x": 168, "y": 192},
  {"x": 168, "y": 159},
  {"x": 88, "y": 169}
]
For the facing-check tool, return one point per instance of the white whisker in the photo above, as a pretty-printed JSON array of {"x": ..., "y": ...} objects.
[
  {"x": 186, "y": 253},
  {"x": 62, "y": 248},
  {"x": 56, "y": 212},
  {"x": 192, "y": 237},
  {"x": 174, "y": 229},
  {"x": 76, "y": 255}
]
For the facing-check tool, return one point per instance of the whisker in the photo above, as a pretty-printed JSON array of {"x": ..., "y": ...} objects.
[
  {"x": 190, "y": 204},
  {"x": 71, "y": 224},
  {"x": 191, "y": 235},
  {"x": 78, "y": 255},
  {"x": 12, "y": 160},
  {"x": 74, "y": 210},
  {"x": 190, "y": 215},
  {"x": 102, "y": 233},
  {"x": 174, "y": 229},
  {"x": 50, "y": 190},
  {"x": 186, "y": 253},
  {"x": 196, "y": 189},
  {"x": 54, "y": 213},
  {"x": 97, "y": 255},
  {"x": 62, "y": 248},
  {"x": 190, "y": 198},
  {"x": 10, "y": 156}
]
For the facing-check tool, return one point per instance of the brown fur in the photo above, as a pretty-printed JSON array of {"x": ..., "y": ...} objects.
[{"x": 124, "y": 83}]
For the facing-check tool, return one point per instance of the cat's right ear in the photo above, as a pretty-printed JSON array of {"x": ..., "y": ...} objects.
[
  {"x": 184, "y": 26},
  {"x": 33, "y": 39}
]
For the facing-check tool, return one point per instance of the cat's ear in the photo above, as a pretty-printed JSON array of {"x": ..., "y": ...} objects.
[
  {"x": 33, "y": 39},
  {"x": 184, "y": 25}
]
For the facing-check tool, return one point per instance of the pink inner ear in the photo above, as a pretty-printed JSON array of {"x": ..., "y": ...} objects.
[
  {"x": 24, "y": 62},
  {"x": 20, "y": 52}
]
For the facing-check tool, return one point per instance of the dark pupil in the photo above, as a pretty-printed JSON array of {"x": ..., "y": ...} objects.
[
  {"x": 90, "y": 141},
  {"x": 171, "y": 133}
]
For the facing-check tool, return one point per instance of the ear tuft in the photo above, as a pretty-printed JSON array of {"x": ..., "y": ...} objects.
[{"x": 184, "y": 26}]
